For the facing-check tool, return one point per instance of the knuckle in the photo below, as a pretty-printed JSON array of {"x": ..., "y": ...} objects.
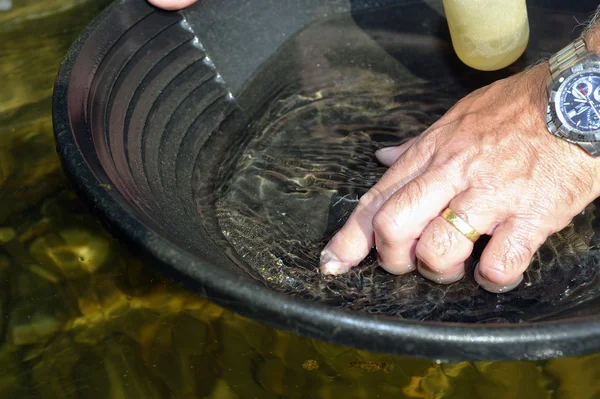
[
  {"x": 469, "y": 123},
  {"x": 441, "y": 245},
  {"x": 433, "y": 257},
  {"x": 470, "y": 120},
  {"x": 511, "y": 260},
  {"x": 385, "y": 228},
  {"x": 438, "y": 241},
  {"x": 412, "y": 195},
  {"x": 423, "y": 148},
  {"x": 372, "y": 200},
  {"x": 456, "y": 156}
]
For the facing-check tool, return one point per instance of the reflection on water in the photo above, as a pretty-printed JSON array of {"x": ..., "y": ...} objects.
[{"x": 83, "y": 317}]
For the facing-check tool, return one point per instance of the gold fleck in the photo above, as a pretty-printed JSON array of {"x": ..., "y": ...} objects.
[
  {"x": 373, "y": 366},
  {"x": 310, "y": 365}
]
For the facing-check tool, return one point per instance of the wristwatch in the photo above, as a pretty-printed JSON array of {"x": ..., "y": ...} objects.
[{"x": 573, "y": 111}]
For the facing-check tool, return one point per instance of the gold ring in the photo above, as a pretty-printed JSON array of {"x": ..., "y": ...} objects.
[{"x": 460, "y": 225}]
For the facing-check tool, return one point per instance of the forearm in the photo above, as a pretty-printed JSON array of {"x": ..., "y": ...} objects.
[
  {"x": 591, "y": 34},
  {"x": 591, "y": 37}
]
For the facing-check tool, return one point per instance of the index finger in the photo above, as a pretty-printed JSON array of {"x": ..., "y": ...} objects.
[{"x": 354, "y": 240}]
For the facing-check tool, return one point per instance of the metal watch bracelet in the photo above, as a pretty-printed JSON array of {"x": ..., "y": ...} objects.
[{"x": 567, "y": 57}]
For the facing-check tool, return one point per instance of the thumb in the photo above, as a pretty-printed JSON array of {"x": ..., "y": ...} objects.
[{"x": 388, "y": 155}]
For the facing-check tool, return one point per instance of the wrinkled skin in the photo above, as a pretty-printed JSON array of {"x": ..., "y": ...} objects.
[{"x": 490, "y": 159}]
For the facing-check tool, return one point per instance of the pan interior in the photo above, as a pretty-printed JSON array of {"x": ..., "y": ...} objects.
[{"x": 286, "y": 169}]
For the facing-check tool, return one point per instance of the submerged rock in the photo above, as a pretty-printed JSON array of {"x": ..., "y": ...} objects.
[{"x": 71, "y": 253}]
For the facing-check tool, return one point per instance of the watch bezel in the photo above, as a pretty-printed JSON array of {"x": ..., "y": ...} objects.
[{"x": 555, "y": 118}]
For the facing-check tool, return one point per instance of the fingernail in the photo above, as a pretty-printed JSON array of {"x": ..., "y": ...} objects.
[
  {"x": 410, "y": 267},
  {"x": 495, "y": 288},
  {"x": 330, "y": 264},
  {"x": 385, "y": 149},
  {"x": 387, "y": 155},
  {"x": 436, "y": 276},
  {"x": 398, "y": 270}
]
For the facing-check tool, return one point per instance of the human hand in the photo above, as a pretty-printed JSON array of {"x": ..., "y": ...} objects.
[
  {"x": 171, "y": 4},
  {"x": 491, "y": 160}
]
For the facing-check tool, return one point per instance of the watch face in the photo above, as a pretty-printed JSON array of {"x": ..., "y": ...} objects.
[{"x": 578, "y": 105}]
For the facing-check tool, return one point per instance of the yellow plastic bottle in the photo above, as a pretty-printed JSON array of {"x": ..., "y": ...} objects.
[{"x": 488, "y": 34}]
